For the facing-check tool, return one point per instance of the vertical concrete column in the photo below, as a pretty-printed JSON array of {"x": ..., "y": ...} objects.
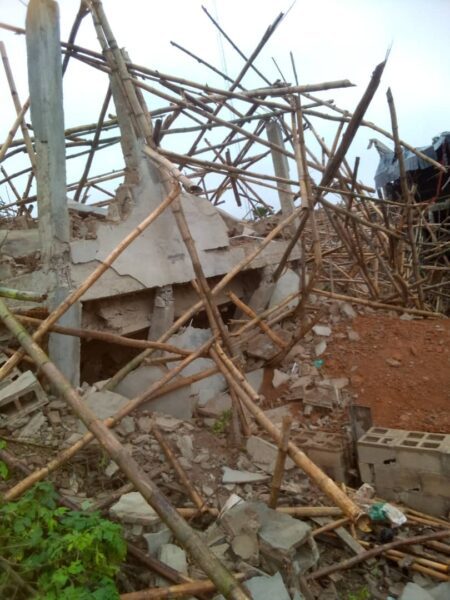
[
  {"x": 47, "y": 116},
  {"x": 163, "y": 313},
  {"x": 281, "y": 168}
]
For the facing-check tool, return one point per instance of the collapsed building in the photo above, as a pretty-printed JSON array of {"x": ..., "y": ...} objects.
[{"x": 159, "y": 308}]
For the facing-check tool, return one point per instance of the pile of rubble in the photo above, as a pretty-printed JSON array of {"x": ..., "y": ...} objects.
[{"x": 172, "y": 366}]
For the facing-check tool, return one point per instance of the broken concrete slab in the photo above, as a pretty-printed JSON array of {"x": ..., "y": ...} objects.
[
  {"x": 217, "y": 405},
  {"x": 264, "y": 454},
  {"x": 265, "y": 588},
  {"x": 255, "y": 379},
  {"x": 173, "y": 556},
  {"x": 178, "y": 403},
  {"x": 208, "y": 388},
  {"x": 281, "y": 538},
  {"x": 133, "y": 508},
  {"x": 33, "y": 426},
  {"x": 105, "y": 404},
  {"x": 234, "y": 476},
  {"x": 441, "y": 591},
  {"x": 287, "y": 284},
  {"x": 413, "y": 591}
]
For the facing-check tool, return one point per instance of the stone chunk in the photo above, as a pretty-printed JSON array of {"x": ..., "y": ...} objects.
[
  {"x": 320, "y": 348},
  {"x": 279, "y": 378},
  {"x": 266, "y": 588},
  {"x": 133, "y": 508},
  {"x": 322, "y": 330},
  {"x": 156, "y": 540}
]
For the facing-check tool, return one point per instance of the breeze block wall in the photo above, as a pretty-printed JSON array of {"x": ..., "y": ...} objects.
[{"x": 412, "y": 467}]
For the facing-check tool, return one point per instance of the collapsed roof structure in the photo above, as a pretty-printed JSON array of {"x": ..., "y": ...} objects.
[{"x": 133, "y": 266}]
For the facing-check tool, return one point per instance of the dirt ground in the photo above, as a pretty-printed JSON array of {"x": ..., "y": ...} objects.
[{"x": 401, "y": 369}]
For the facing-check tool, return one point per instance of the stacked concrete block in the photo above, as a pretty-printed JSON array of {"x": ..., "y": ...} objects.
[
  {"x": 412, "y": 467},
  {"x": 328, "y": 450}
]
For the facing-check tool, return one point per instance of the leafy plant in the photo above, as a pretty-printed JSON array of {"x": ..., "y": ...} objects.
[
  {"x": 221, "y": 424},
  {"x": 62, "y": 554},
  {"x": 3, "y": 467},
  {"x": 362, "y": 594},
  {"x": 261, "y": 211}
]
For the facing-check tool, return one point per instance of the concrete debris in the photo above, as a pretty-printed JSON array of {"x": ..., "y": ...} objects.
[
  {"x": 234, "y": 476},
  {"x": 266, "y": 588},
  {"x": 263, "y": 454},
  {"x": 320, "y": 348},
  {"x": 33, "y": 426},
  {"x": 353, "y": 336},
  {"x": 287, "y": 284},
  {"x": 347, "y": 310},
  {"x": 282, "y": 539},
  {"x": 174, "y": 557},
  {"x": 217, "y": 405},
  {"x": 177, "y": 403},
  {"x": 413, "y": 591},
  {"x": 322, "y": 330},
  {"x": 133, "y": 508},
  {"x": 104, "y": 404},
  {"x": 255, "y": 379},
  {"x": 279, "y": 378}
]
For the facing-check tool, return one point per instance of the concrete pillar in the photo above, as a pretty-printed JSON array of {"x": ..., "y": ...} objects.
[
  {"x": 163, "y": 313},
  {"x": 47, "y": 116},
  {"x": 281, "y": 168}
]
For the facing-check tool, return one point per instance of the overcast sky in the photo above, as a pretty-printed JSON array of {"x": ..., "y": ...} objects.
[{"x": 329, "y": 40}]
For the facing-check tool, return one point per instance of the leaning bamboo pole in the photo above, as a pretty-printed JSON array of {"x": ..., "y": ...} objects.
[
  {"x": 187, "y": 537},
  {"x": 93, "y": 277}
]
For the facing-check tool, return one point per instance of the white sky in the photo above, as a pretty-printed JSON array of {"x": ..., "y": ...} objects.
[{"x": 330, "y": 40}]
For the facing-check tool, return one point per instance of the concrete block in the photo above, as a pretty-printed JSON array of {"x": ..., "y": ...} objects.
[
  {"x": 366, "y": 472},
  {"x": 432, "y": 505},
  {"x": 378, "y": 445},
  {"x": 419, "y": 459},
  {"x": 327, "y": 451},
  {"x": 434, "y": 484},
  {"x": 396, "y": 478}
]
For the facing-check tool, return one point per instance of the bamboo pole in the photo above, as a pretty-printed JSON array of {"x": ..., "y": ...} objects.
[
  {"x": 261, "y": 324},
  {"x": 373, "y": 552},
  {"x": 104, "y": 336},
  {"x": 280, "y": 462},
  {"x": 17, "y": 105},
  {"x": 407, "y": 198},
  {"x": 381, "y": 305},
  {"x": 181, "y": 590},
  {"x": 223, "y": 579},
  {"x": 12, "y": 132},
  {"x": 21, "y": 295},
  {"x": 91, "y": 279},
  {"x": 181, "y": 473}
]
